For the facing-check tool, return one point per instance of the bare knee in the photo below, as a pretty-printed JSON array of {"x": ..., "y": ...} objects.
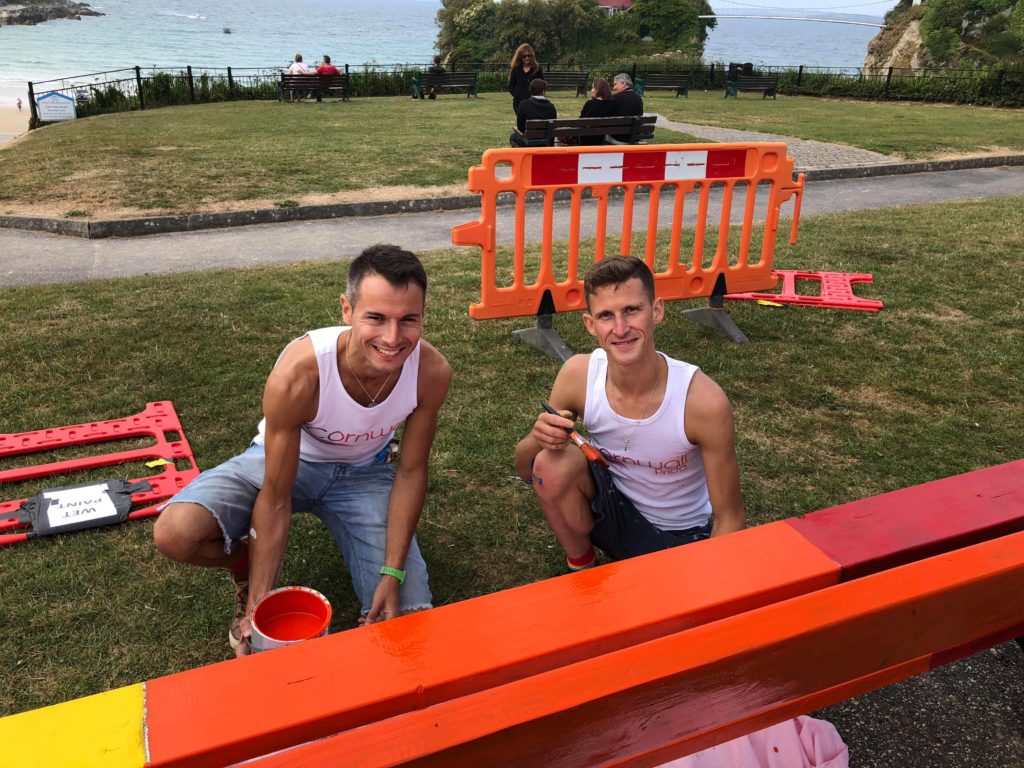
[
  {"x": 181, "y": 529},
  {"x": 557, "y": 474}
]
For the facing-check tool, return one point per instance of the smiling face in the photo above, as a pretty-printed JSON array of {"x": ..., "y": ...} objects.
[
  {"x": 386, "y": 321},
  {"x": 622, "y": 319}
]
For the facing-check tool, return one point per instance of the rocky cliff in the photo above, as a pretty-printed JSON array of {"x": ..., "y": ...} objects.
[
  {"x": 949, "y": 33},
  {"x": 37, "y": 13}
]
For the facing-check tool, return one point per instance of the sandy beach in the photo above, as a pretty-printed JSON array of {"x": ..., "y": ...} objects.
[{"x": 12, "y": 122}]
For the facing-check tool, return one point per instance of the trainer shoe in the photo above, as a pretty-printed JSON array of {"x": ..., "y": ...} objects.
[{"x": 241, "y": 585}]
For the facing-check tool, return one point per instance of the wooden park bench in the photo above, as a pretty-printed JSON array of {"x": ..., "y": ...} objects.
[
  {"x": 325, "y": 84},
  {"x": 633, "y": 129},
  {"x": 424, "y": 83},
  {"x": 766, "y": 83},
  {"x": 673, "y": 81},
  {"x": 560, "y": 80},
  {"x": 596, "y": 667}
]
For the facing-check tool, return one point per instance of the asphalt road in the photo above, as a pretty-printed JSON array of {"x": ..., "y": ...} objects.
[
  {"x": 968, "y": 714},
  {"x": 27, "y": 258}
]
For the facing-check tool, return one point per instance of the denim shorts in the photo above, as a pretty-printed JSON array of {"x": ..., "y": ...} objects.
[
  {"x": 620, "y": 531},
  {"x": 352, "y": 501}
]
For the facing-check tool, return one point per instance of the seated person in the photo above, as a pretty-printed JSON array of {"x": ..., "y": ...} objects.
[
  {"x": 326, "y": 68},
  {"x": 626, "y": 103},
  {"x": 599, "y": 104},
  {"x": 437, "y": 68},
  {"x": 664, "y": 428},
  {"x": 331, "y": 406},
  {"x": 537, "y": 107},
  {"x": 297, "y": 67}
]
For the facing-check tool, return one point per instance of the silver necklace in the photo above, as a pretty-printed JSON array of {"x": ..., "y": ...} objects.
[
  {"x": 643, "y": 413},
  {"x": 373, "y": 398}
]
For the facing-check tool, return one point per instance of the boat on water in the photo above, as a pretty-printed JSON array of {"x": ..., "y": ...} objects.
[{"x": 227, "y": 30}]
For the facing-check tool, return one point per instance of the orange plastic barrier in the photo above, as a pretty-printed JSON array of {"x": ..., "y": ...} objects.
[{"x": 680, "y": 169}]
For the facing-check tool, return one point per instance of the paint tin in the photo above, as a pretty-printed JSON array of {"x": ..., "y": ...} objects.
[{"x": 289, "y": 615}]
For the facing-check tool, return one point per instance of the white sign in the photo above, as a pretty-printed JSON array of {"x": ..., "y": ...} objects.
[
  {"x": 77, "y": 505},
  {"x": 54, "y": 106}
]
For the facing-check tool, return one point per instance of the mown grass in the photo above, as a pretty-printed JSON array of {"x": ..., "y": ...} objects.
[
  {"x": 830, "y": 407},
  {"x": 187, "y": 158},
  {"x": 892, "y": 128}
]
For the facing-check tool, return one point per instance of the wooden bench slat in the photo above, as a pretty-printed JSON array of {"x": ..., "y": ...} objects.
[
  {"x": 767, "y": 83},
  {"x": 424, "y": 82},
  {"x": 314, "y": 82},
  {"x": 544, "y": 132},
  {"x": 577, "y": 80},
  {"x": 677, "y": 81}
]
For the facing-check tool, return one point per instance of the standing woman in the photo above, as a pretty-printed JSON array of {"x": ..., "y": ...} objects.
[{"x": 523, "y": 69}]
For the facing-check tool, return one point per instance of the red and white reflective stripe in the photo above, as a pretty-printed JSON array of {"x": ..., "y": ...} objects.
[{"x": 618, "y": 167}]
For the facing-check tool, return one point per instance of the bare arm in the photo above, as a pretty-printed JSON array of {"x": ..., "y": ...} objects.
[
  {"x": 410, "y": 486},
  {"x": 289, "y": 395},
  {"x": 568, "y": 397},
  {"x": 709, "y": 424}
]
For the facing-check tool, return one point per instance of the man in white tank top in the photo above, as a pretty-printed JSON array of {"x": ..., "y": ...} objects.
[
  {"x": 664, "y": 429},
  {"x": 331, "y": 406}
]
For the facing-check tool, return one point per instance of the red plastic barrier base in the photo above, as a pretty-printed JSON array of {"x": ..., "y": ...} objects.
[
  {"x": 156, "y": 421},
  {"x": 836, "y": 290}
]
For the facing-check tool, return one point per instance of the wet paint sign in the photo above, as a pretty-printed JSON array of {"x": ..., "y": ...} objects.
[{"x": 74, "y": 506}]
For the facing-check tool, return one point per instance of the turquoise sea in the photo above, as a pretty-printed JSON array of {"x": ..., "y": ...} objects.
[{"x": 268, "y": 33}]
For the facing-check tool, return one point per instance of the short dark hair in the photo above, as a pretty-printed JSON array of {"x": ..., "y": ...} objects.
[
  {"x": 327, "y": 59},
  {"x": 396, "y": 265},
  {"x": 538, "y": 86},
  {"x": 616, "y": 270}
]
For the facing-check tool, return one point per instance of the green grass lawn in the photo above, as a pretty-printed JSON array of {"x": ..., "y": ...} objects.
[
  {"x": 830, "y": 407},
  {"x": 240, "y": 154},
  {"x": 187, "y": 158},
  {"x": 893, "y": 128}
]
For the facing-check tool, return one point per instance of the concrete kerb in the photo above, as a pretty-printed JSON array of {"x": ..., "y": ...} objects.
[{"x": 137, "y": 227}]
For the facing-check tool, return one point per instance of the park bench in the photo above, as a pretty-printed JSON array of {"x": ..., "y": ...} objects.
[
  {"x": 673, "y": 81},
  {"x": 423, "y": 83},
  {"x": 544, "y": 133},
  {"x": 559, "y": 80},
  {"x": 325, "y": 84},
  {"x": 766, "y": 83},
  {"x": 813, "y": 610}
]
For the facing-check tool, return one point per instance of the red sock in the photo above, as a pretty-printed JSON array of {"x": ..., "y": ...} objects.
[
  {"x": 586, "y": 560},
  {"x": 241, "y": 567}
]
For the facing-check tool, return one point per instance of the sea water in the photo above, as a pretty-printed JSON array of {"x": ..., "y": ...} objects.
[{"x": 268, "y": 33}]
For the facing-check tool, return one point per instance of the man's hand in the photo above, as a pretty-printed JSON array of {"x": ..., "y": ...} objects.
[
  {"x": 385, "y": 602},
  {"x": 551, "y": 431}
]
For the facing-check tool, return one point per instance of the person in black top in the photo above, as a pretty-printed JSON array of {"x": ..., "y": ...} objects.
[
  {"x": 437, "y": 68},
  {"x": 627, "y": 101},
  {"x": 599, "y": 104},
  {"x": 537, "y": 107},
  {"x": 521, "y": 71}
]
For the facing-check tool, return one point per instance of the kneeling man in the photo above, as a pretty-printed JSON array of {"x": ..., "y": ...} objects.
[
  {"x": 331, "y": 406},
  {"x": 664, "y": 427}
]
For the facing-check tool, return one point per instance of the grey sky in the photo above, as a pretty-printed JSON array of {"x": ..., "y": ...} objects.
[{"x": 775, "y": 7}]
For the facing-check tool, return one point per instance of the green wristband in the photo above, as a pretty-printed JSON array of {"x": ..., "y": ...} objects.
[{"x": 398, "y": 573}]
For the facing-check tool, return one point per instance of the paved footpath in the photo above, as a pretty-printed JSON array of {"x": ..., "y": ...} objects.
[
  {"x": 808, "y": 155},
  {"x": 33, "y": 258}
]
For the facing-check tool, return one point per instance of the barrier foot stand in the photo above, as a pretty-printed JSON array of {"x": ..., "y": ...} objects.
[
  {"x": 719, "y": 320},
  {"x": 545, "y": 338}
]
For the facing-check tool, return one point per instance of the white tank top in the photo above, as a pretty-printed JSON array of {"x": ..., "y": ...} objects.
[
  {"x": 662, "y": 472},
  {"x": 343, "y": 431}
]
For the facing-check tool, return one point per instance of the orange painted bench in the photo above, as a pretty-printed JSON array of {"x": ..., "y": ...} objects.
[{"x": 633, "y": 663}]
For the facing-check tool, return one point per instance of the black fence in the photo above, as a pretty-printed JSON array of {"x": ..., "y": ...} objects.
[{"x": 146, "y": 88}]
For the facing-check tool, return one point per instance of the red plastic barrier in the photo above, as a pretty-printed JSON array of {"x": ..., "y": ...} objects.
[
  {"x": 836, "y": 291},
  {"x": 156, "y": 421}
]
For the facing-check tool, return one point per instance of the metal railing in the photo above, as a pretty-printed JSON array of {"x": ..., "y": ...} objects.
[{"x": 140, "y": 88}]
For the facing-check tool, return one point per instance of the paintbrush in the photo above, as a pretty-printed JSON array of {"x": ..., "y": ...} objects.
[{"x": 589, "y": 451}]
